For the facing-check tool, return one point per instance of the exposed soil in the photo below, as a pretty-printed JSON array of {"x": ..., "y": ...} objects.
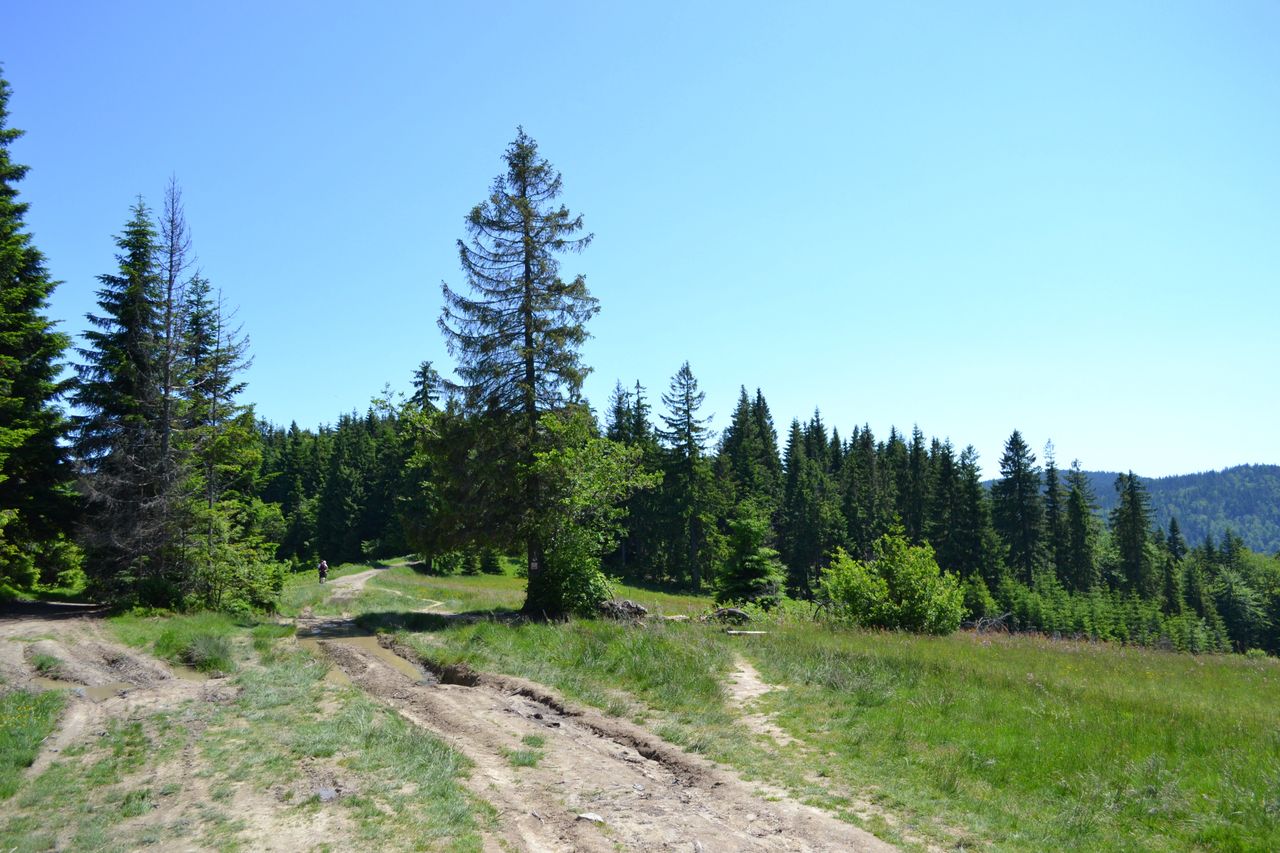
[
  {"x": 597, "y": 783},
  {"x": 745, "y": 687},
  {"x": 640, "y": 792},
  {"x": 105, "y": 682}
]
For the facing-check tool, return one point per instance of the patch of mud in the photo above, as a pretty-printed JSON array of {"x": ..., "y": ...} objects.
[{"x": 650, "y": 795}]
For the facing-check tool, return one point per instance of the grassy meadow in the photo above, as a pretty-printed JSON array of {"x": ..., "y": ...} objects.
[
  {"x": 964, "y": 742},
  {"x": 995, "y": 741}
]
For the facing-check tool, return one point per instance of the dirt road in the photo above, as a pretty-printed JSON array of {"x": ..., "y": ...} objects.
[
  {"x": 562, "y": 778},
  {"x": 602, "y": 783}
]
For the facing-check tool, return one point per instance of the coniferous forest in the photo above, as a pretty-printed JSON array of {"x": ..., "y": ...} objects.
[{"x": 132, "y": 463}]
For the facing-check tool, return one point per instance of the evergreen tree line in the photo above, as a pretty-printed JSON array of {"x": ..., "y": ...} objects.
[
  {"x": 167, "y": 458},
  {"x": 742, "y": 519},
  {"x": 149, "y": 492}
]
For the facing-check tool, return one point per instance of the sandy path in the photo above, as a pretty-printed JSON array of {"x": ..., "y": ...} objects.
[{"x": 649, "y": 795}]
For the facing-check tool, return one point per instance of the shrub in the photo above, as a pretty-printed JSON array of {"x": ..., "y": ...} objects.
[
  {"x": 575, "y": 583},
  {"x": 201, "y": 641},
  {"x": 208, "y": 653},
  {"x": 901, "y": 588},
  {"x": 977, "y": 598}
]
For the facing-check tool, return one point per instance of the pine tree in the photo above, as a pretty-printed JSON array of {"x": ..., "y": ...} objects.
[
  {"x": 173, "y": 250},
  {"x": 1018, "y": 510},
  {"x": 36, "y": 500},
  {"x": 1176, "y": 543},
  {"x": 621, "y": 415},
  {"x": 687, "y": 484},
  {"x": 1131, "y": 529},
  {"x": 974, "y": 547},
  {"x": 866, "y": 504},
  {"x": 232, "y": 533},
  {"x": 943, "y": 504},
  {"x": 1079, "y": 571},
  {"x": 639, "y": 544},
  {"x": 1055, "y": 515},
  {"x": 117, "y": 439},
  {"x": 771, "y": 459},
  {"x": 752, "y": 571},
  {"x": 427, "y": 385},
  {"x": 811, "y": 523},
  {"x": 517, "y": 336},
  {"x": 749, "y": 450},
  {"x": 915, "y": 496}
]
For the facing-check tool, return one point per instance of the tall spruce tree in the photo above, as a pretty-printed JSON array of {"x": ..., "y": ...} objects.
[
  {"x": 517, "y": 335},
  {"x": 117, "y": 441},
  {"x": 749, "y": 449},
  {"x": 811, "y": 523},
  {"x": 1176, "y": 543},
  {"x": 915, "y": 495},
  {"x": 974, "y": 547},
  {"x": 867, "y": 506},
  {"x": 1055, "y": 516},
  {"x": 639, "y": 545},
  {"x": 36, "y": 500},
  {"x": 1079, "y": 570},
  {"x": 772, "y": 460},
  {"x": 1131, "y": 530},
  {"x": 231, "y": 535},
  {"x": 944, "y": 503},
  {"x": 1018, "y": 509},
  {"x": 174, "y": 258},
  {"x": 687, "y": 484}
]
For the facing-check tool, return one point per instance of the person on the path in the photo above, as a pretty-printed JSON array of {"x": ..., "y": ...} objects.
[{"x": 324, "y": 570}]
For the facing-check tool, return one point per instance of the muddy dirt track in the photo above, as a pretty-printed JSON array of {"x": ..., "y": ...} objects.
[{"x": 601, "y": 783}]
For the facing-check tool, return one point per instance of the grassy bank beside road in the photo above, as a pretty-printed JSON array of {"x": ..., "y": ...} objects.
[{"x": 1015, "y": 742}]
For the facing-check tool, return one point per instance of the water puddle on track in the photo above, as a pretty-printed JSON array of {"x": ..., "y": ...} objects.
[
  {"x": 97, "y": 692},
  {"x": 390, "y": 658},
  {"x": 368, "y": 645},
  {"x": 188, "y": 673}
]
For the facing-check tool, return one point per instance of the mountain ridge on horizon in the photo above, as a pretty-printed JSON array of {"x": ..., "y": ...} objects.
[{"x": 1244, "y": 499}]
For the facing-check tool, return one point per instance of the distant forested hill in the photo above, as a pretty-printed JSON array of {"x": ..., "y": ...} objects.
[{"x": 1245, "y": 499}]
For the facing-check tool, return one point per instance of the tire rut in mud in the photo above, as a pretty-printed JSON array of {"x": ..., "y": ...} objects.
[{"x": 650, "y": 794}]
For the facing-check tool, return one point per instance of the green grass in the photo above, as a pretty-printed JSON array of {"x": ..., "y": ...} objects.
[
  {"x": 407, "y": 790},
  {"x": 624, "y": 670},
  {"x": 204, "y": 641},
  {"x": 1017, "y": 743},
  {"x": 303, "y": 589},
  {"x": 264, "y": 637},
  {"x": 1037, "y": 744},
  {"x": 47, "y": 665},
  {"x": 524, "y": 757},
  {"x": 665, "y": 603},
  {"x": 79, "y": 801},
  {"x": 401, "y": 588},
  {"x": 26, "y": 719}
]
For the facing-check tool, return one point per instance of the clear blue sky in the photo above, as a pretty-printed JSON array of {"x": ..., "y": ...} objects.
[{"x": 1063, "y": 218}]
